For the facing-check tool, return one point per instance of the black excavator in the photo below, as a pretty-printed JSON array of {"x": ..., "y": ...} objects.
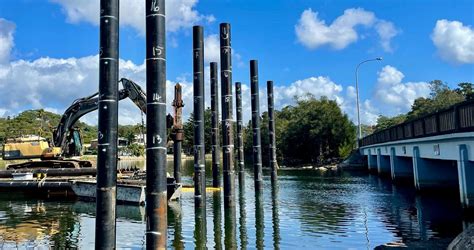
[{"x": 66, "y": 141}]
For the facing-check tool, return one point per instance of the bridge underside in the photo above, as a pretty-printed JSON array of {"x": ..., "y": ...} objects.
[{"x": 435, "y": 163}]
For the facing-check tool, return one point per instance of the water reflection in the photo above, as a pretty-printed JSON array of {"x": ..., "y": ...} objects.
[
  {"x": 230, "y": 228},
  {"x": 217, "y": 210},
  {"x": 420, "y": 220},
  {"x": 175, "y": 223},
  {"x": 259, "y": 221},
  {"x": 200, "y": 229},
  {"x": 242, "y": 218},
  {"x": 127, "y": 212},
  {"x": 36, "y": 223},
  {"x": 275, "y": 217},
  {"x": 308, "y": 210}
]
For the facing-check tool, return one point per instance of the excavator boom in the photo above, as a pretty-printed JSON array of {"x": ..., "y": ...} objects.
[
  {"x": 83, "y": 106},
  {"x": 15, "y": 150}
]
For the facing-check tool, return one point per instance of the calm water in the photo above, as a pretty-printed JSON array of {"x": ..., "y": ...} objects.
[{"x": 308, "y": 210}]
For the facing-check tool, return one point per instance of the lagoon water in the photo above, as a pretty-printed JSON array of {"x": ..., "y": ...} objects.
[{"x": 309, "y": 209}]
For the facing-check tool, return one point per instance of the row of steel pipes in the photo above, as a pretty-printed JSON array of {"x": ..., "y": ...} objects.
[
  {"x": 156, "y": 134},
  {"x": 227, "y": 120},
  {"x": 228, "y": 141}
]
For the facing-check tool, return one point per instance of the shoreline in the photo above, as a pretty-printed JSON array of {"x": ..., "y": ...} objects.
[
  {"x": 141, "y": 158},
  {"x": 323, "y": 168}
]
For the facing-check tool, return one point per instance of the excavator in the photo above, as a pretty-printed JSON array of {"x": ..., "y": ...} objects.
[{"x": 66, "y": 141}]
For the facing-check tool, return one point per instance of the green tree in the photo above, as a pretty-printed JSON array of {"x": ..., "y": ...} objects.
[
  {"x": 264, "y": 138},
  {"x": 248, "y": 138},
  {"x": 136, "y": 149},
  {"x": 384, "y": 122},
  {"x": 39, "y": 122},
  {"x": 130, "y": 131},
  {"x": 312, "y": 131},
  {"x": 188, "y": 128},
  {"x": 367, "y": 129},
  {"x": 466, "y": 89},
  {"x": 441, "y": 97}
]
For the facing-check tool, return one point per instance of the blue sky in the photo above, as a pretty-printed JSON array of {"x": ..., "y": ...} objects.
[{"x": 303, "y": 46}]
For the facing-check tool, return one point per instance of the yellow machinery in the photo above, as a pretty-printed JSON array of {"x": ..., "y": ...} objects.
[
  {"x": 34, "y": 147},
  {"x": 29, "y": 148}
]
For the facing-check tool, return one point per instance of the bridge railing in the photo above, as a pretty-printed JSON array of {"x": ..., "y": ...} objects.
[{"x": 457, "y": 118}]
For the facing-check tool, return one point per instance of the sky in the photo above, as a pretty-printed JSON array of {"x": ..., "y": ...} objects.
[{"x": 49, "y": 50}]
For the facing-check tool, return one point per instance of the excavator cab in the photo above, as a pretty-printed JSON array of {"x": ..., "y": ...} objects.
[{"x": 74, "y": 143}]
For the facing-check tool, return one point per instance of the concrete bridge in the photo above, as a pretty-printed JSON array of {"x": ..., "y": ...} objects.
[{"x": 435, "y": 151}]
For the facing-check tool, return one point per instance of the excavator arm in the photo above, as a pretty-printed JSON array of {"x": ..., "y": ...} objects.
[{"x": 83, "y": 106}]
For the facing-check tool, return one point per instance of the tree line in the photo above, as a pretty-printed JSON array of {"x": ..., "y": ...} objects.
[
  {"x": 42, "y": 123},
  {"x": 311, "y": 131},
  {"x": 39, "y": 122},
  {"x": 441, "y": 97}
]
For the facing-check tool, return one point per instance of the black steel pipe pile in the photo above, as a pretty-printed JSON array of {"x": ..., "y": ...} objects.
[
  {"x": 108, "y": 125},
  {"x": 156, "y": 191},
  {"x": 257, "y": 149},
  {"x": 198, "y": 90},
  {"x": 227, "y": 115},
  {"x": 271, "y": 132},
  {"x": 215, "y": 127},
  {"x": 240, "y": 139}
]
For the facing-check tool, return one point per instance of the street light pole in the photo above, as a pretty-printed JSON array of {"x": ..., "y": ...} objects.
[{"x": 357, "y": 95}]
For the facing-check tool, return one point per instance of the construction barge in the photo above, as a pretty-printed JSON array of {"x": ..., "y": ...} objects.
[{"x": 78, "y": 184}]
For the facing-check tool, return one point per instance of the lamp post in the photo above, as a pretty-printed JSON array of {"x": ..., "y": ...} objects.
[{"x": 357, "y": 95}]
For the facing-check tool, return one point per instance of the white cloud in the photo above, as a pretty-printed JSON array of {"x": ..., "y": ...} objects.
[
  {"x": 3, "y": 112},
  {"x": 395, "y": 95},
  {"x": 454, "y": 41},
  {"x": 368, "y": 113},
  {"x": 391, "y": 96},
  {"x": 313, "y": 32},
  {"x": 212, "y": 48},
  {"x": 6, "y": 40},
  {"x": 351, "y": 92},
  {"x": 386, "y": 31},
  {"x": 53, "y": 84},
  {"x": 179, "y": 13},
  {"x": 212, "y": 51},
  {"x": 317, "y": 86}
]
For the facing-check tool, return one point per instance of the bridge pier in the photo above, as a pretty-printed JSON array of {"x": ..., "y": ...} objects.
[
  {"x": 432, "y": 173},
  {"x": 466, "y": 177},
  {"x": 372, "y": 161},
  {"x": 383, "y": 163},
  {"x": 401, "y": 167}
]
